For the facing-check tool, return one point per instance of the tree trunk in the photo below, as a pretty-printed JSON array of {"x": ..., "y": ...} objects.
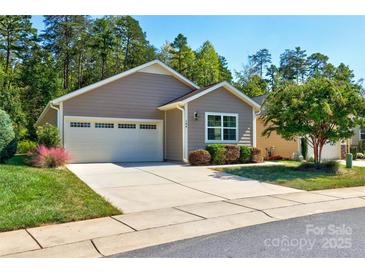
[
  {"x": 102, "y": 68},
  {"x": 79, "y": 71},
  {"x": 126, "y": 55},
  {"x": 7, "y": 53},
  {"x": 66, "y": 71}
]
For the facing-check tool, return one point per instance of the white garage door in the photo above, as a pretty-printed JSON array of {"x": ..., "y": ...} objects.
[
  {"x": 89, "y": 140},
  {"x": 329, "y": 151}
]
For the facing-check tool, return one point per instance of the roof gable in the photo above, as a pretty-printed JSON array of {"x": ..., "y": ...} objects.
[
  {"x": 155, "y": 66},
  {"x": 201, "y": 92}
]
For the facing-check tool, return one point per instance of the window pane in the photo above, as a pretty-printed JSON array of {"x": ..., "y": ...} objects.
[
  {"x": 214, "y": 121},
  {"x": 229, "y": 121},
  {"x": 362, "y": 136},
  {"x": 229, "y": 134},
  {"x": 214, "y": 134}
]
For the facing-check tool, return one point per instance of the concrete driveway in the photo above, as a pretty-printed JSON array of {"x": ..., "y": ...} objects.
[{"x": 147, "y": 186}]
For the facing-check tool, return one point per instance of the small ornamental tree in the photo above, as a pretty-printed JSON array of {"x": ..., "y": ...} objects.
[{"x": 321, "y": 111}]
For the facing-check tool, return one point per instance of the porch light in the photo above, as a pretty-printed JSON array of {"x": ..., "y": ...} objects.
[{"x": 196, "y": 115}]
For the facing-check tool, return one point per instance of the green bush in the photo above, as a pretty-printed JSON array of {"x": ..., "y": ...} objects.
[
  {"x": 232, "y": 155},
  {"x": 199, "y": 157},
  {"x": 327, "y": 166},
  {"x": 218, "y": 153},
  {"x": 245, "y": 154},
  {"x": 7, "y": 137},
  {"x": 331, "y": 166},
  {"x": 48, "y": 135},
  {"x": 25, "y": 146}
]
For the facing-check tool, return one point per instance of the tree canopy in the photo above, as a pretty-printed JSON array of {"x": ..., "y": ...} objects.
[
  {"x": 75, "y": 51},
  {"x": 321, "y": 110}
]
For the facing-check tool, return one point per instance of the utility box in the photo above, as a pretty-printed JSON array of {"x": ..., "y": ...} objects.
[{"x": 348, "y": 160}]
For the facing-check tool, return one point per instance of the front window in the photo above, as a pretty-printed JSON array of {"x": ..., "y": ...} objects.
[
  {"x": 362, "y": 134},
  {"x": 221, "y": 127}
]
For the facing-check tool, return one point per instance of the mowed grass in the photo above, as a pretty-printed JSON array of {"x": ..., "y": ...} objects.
[
  {"x": 33, "y": 196},
  {"x": 286, "y": 174}
]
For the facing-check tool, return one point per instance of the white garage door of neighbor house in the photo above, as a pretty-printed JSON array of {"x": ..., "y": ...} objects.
[
  {"x": 329, "y": 151},
  {"x": 90, "y": 141}
]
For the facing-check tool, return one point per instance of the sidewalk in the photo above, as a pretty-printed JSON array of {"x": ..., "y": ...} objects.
[{"x": 107, "y": 236}]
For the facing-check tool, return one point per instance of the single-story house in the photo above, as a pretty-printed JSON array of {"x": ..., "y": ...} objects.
[{"x": 150, "y": 113}]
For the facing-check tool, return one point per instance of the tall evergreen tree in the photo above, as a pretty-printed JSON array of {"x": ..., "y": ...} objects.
[
  {"x": 259, "y": 61},
  {"x": 60, "y": 36},
  {"x": 182, "y": 56},
  {"x": 293, "y": 65},
  {"x": 206, "y": 70},
  {"x": 224, "y": 72},
  {"x": 103, "y": 42},
  {"x": 316, "y": 64},
  {"x": 16, "y": 35},
  {"x": 132, "y": 40}
]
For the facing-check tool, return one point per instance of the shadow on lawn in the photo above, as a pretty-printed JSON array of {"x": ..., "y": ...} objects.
[
  {"x": 275, "y": 173},
  {"x": 18, "y": 160}
]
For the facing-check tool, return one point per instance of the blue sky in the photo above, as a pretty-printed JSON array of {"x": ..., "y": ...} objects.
[{"x": 342, "y": 38}]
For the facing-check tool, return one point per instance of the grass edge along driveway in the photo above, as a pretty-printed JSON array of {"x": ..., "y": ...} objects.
[
  {"x": 287, "y": 175},
  {"x": 32, "y": 197}
]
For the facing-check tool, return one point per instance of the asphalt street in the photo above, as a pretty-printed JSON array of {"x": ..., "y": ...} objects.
[{"x": 335, "y": 235}]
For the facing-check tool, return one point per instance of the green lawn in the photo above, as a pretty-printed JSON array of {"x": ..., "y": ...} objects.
[
  {"x": 33, "y": 196},
  {"x": 287, "y": 175}
]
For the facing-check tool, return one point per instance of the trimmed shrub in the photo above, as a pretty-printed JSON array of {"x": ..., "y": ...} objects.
[
  {"x": 232, "y": 154},
  {"x": 25, "y": 146},
  {"x": 7, "y": 137},
  {"x": 245, "y": 154},
  {"x": 48, "y": 135},
  {"x": 199, "y": 157},
  {"x": 331, "y": 166},
  {"x": 360, "y": 155},
  {"x": 256, "y": 155},
  {"x": 49, "y": 157},
  {"x": 328, "y": 166},
  {"x": 218, "y": 153}
]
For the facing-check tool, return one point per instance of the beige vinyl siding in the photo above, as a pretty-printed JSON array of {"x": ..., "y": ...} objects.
[
  {"x": 50, "y": 117},
  {"x": 220, "y": 100},
  {"x": 135, "y": 96},
  {"x": 174, "y": 143},
  {"x": 283, "y": 148},
  {"x": 356, "y": 137}
]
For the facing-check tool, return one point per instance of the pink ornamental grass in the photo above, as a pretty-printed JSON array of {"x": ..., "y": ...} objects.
[{"x": 49, "y": 157}]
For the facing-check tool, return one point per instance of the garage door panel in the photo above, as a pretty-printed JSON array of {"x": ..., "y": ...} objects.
[{"x": 91, "y": 144}]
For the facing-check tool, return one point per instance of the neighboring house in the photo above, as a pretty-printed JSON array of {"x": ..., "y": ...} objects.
[
  {"x": 278, "y": 145},
  {"x": 359, "y": 135},
  {"x": 285, "y": 148},
  {"x": 150, "y": 113}
]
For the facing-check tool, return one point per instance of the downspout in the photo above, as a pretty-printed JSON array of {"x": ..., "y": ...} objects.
[{"x": 183, "y": 132}]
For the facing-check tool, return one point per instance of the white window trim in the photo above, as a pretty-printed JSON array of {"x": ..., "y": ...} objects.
[{"x": 221, "y": 127}]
